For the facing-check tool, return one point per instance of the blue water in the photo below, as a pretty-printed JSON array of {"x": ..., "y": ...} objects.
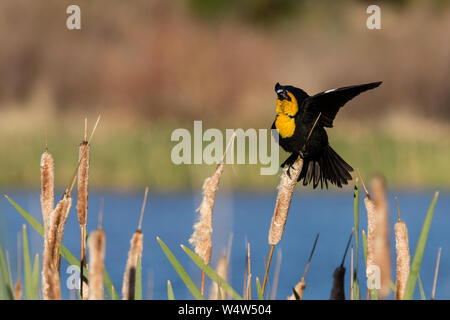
[{"x": 247, "y": 217}]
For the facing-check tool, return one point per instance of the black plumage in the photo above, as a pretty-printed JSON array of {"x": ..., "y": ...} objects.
[{"x": 297, "y": 114}]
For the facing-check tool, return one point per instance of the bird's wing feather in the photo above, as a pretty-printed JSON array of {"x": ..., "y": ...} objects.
[{"x": 329, "y": 102}]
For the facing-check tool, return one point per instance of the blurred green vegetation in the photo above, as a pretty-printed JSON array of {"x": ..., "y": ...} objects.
[{"x": 124, "y": 157}]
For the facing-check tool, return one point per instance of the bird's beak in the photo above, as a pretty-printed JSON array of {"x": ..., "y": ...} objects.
[{"x": 281, "y": 92}]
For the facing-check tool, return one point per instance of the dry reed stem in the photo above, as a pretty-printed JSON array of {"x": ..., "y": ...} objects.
[
  {"x": 201, "y": 237},
  {"x": 403, "y": 258},
  {"x": 249, "y": 274},
  {"x": 299, "y": 289},
  {"x": 382, "y": 236},
  {"x": 221, "y": 269},
  {"x": 18, "y": 290},
  {"x": 351, "y": 274},
  {"x": 129, "y": 277},
  {"x": 283, "y": 202},
  {"x": 436, "y": 271},
  {"x": 47, "y": 186},
  {"x": 50, "y": 272},
  {"x": 97, "y": 242}
]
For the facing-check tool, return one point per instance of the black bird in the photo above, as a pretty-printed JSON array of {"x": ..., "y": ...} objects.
[{"x": 300, "y": 125}]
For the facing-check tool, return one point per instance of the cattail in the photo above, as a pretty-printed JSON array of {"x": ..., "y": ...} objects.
[
  {"x": 96, "y": 258},
  {"x": 337, "y": 291},
  {"x": 382, "y": 242},
  {"x": 201, "y": 237},
  {"x": 82, "y": 203},
  {"x": 371, "y": 227},
  {"x": 129, "y": 277},
  {"x": 50, "y": 272},
  {"x": 300, "y": 287},
  {"x": 221, "y": 269},
  {"x": 135, "y": 253},
  {"x": 60, "y": 232},
  {"x": 403, "y": 258},
  {"x": 299, "y": 290},
  {"x": 18, "y": 290},
  {"x": 47, "y": 186},
  {"x": 283, "y": 202}
]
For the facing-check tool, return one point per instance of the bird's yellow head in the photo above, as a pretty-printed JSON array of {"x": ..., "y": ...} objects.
[{"x": 287, "y": 108}]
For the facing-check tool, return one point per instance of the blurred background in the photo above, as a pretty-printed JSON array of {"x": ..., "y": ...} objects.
[
  {"x": 149, "y": 67},
  {"x": 155, "y": 65}
]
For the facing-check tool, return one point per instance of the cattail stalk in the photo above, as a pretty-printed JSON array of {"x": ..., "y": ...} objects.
[
  {"x": 337, "y": 291},
  {"x": 218, "y": 293},
  {"x": 403, "y": 256},
  {"x": 300, "y": 287},
  {"x": 47, "y": 186},
  {"x": 96, "y": 244},
  {"x": 135, "y": 253},
  {"x": 382, "y": 236},
  {"x": 282, "y": 204}
]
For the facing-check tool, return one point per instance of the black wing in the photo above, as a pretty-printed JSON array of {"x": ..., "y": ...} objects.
[{"x": 329, "y": 102}]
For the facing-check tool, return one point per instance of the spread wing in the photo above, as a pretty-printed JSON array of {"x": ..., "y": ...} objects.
[{"x": 329, "y": 102}]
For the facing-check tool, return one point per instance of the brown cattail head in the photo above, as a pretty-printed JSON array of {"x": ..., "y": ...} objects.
[
  {"x": 66, "y": 204},
  {"x": 221, "y": 269},
  {"x": 299, "y": 289},
  {"x": 201, "y": 237},
  {"x": 285, "y": 191},
  {"x": 129, "y": 277},
  {"x": 18, "y": 290},
  {"x": 47, "y": 185},
  {"x": 382, "y": 237},
  {"x": 50, "y": 265},
  {"x": 96, "y": 244},
  {"x": 403, "y": 258},
  {"x": 83, "y": 182}
]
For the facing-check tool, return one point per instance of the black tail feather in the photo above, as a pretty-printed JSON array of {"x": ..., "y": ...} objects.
[{"x": 328, "y": 167}]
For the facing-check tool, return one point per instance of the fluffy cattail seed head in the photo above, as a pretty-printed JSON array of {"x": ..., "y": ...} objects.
[
  {"x": 283, "y": 202},
  {"x": 201, "y": 237}
]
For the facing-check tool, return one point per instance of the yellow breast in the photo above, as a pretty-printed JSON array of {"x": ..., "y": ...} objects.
[{"x": 285, "y": 125}]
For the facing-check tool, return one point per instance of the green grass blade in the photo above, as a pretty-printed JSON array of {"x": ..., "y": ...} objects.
[
  {"x": 422, "y": 292},
  {"x": 170, "y": 294},
  {"x": 65, "y": 253},
  {"x": 259, "y": 289},
  {"x": 35, "y": 278},
  {"x": 27, "y": 265},
  {"x": 180, "y": 270},
  {"x": 5, "y": 273},
  {"x": 356, "y": 292},
  {"x": 138, "y": 281},
  {"x": 418, "y": 254},
  {"x": 212, "y": 274},
  {"x": 2, "y": 288}
]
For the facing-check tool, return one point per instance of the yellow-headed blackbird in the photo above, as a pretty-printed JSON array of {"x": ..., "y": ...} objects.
[{"x": 300, "y": 124}]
